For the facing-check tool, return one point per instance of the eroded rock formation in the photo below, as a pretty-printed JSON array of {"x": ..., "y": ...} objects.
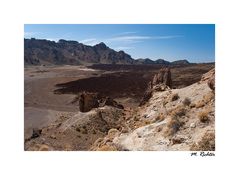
[
  {"x": 160, "y": 82},
  {"x": 209, "y": 77},
  {"x": 88, "y": 101}
]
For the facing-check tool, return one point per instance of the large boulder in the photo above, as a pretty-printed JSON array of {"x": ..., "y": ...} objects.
[{"x": 88, "y": 101}]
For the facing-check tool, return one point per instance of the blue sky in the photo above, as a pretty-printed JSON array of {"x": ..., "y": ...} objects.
[{"x": 194, "y": 42}]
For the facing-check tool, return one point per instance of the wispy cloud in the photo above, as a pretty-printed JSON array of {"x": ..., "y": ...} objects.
[
  {"x": 125, "y": 33},
  {"x": 138, "y": 38}
]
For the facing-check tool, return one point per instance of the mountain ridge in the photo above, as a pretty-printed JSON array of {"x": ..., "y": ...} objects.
[{"x": 42, "y": 51}]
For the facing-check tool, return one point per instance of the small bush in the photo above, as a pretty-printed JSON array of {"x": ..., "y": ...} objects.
[
  {"x": 84, "y": 131},
  {"x": 206, "y": 99},
  {"x": 136, "y": 118},
  {"x": 200, "y": 104},
  {"x": 172, "y": 127},
  {"x": 207, "y": 143},
  {"x": 160, "y": 117},
  {"x": 203, "y": 116},
  {"x": 178, "y": 111},
  {"x": 187, "y": 101},
  {"x": 94, "y": 132},
  {"x": 78, "y": 129},
  {"x": 107, "y": 148},
  {"x": 192, "y": 105},
  {"x": 174, "y": 97}
]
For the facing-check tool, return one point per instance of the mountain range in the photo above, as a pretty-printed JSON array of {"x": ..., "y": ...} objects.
[{"x": 42, "y": 51}]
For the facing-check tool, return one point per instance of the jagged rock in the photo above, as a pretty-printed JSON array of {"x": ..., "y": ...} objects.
[
  {"x": 36, "y": 133},
  {"x": 88, "y": 101},
  {"x": 110, "y": 102},
  {"x": 209, "y": 77},
  {"x": 211, "y": 83},
  {"x": 193, "y": 125},
  {"x": 160, "y": 87},
  {"x": 161, "y": 82},
  {"x": 163, "y": 77}
]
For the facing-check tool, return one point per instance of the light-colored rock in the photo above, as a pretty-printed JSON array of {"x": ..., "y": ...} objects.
[{"x": 193, "y": 125}]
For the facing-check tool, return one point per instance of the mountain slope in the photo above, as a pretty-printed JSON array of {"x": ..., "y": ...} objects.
[
  {"x": 174, "y": 119},
  {"x": 41, "y": 51},
  {"x": 38, "y": 52}
]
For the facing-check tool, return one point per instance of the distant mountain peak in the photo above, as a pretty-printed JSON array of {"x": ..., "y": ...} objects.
[
  {"x": 68, "y": 41},
  {"x": 42, "y": 51},
  {"x": 38, "y": 51},
  {"x": 183, "y": 61},
  {"x": 101, "y": 45}
]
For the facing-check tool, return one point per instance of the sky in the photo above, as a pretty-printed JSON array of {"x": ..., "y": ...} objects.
[{"x": 194, "y": 42}]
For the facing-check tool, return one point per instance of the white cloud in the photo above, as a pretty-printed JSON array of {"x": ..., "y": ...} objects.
[
  {"x": 139, "y": 38},
  {"x": 87, "y": 40},
  {"x": 53, "y": 39}
]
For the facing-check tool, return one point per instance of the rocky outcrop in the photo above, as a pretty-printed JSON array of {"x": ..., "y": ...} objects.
[
  {"x": 88, "y": 101},
  {"x": 160, "y": 82},
  {"x": 107, "y": 101},
  {"x": 163, "y": 77},
  {"x": 163, "y": 124},
  {"x": 209, "y": 77}
]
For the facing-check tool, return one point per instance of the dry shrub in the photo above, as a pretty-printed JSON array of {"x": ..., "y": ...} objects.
[
  {"x": 160, "y": 117},
  {"x": 192, "y": 105},
  {"x": 178, "y": 111},
  {"x": 93, "y": 131},
  {"x": 141, "y": 124},
  {"x": 107, "y": 148},
  {"x": 136, "y": 118},
  {"x": 174, "y": 97},
  {"x": 83, "y": 129},
  {"x": 113, "y": 132},
  {"x": 203, "y": 116},
  {"x": 68, "y": 147},
  {"x": 187, "y": 101},
  {"x": 206, "y": 99},
  {"x": 44, "y": 148},
  {"x": 200, "y": 104},
  {"x": 173, "y": 126},
  {"x": 176, "y": 120},
  {"x": 78, "y": 129},
  {"x": 207, "y": 143}
]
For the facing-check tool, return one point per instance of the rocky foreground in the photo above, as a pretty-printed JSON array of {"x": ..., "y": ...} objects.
[{"x": 167, "y": 119}]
